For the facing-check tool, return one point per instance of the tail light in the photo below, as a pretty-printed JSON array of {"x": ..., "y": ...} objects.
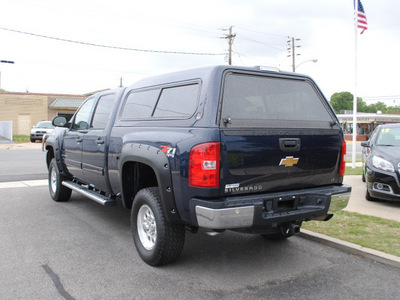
[
  {"x": 204, "y": 165},
  {"x": 342, "y": 159}
]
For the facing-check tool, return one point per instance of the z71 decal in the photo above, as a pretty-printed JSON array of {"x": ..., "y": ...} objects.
[{"x": 169, "y": 151}]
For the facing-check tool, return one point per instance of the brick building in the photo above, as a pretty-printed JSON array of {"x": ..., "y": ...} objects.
[{"x": 26, "y": 109}]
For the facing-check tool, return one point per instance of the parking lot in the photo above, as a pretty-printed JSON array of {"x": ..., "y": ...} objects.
[{"x": 82, "y": 250}]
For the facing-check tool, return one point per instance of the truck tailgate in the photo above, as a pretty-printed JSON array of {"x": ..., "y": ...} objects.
[{"x": 258, "y": 161}]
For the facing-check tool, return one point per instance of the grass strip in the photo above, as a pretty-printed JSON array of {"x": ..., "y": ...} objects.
[
  {"x": 351, "y": 171},
  {"x": 21, "y": 139},
  {"x": 367, "y": 231}
]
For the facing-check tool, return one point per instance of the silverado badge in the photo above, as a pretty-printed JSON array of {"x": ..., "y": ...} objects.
[{"x": 289, "y": 161}]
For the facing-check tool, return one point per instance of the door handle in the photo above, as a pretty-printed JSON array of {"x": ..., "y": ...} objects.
[
  {"x": 290, "y": 144},
  {"x": 99, "y": 141},
  {"x": 79, "y": 140}
]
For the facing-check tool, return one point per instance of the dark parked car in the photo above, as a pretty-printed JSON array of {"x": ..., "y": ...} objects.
[{"x": 381, "y": 163}]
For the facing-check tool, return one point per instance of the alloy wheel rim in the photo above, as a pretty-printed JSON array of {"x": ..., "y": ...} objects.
[
  {"x": 53, "y": 180},
  {"x": 147, "y": 227}
]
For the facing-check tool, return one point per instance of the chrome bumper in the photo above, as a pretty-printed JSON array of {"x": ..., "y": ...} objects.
[
  {"x": 225, "y": 218},
  {"x": 245, "y": 216},
  {"x": 339, "y": 202}
]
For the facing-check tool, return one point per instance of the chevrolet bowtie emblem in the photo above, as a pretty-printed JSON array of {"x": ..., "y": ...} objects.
[{"x": 289, "y": 161}]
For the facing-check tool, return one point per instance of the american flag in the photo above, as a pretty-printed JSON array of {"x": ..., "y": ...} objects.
[{"x": 361, "y": 17}]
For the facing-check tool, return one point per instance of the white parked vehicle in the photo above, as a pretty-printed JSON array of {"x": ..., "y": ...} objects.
[{"x": 41, "y": 128}]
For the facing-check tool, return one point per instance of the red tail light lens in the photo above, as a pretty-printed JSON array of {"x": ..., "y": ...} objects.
[
  {"x": 204, "y": 165},
  {"x": 342, "y": 159}
]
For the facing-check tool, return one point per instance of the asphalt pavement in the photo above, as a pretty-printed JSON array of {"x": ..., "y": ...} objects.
[{"x": 82, "y": 250}]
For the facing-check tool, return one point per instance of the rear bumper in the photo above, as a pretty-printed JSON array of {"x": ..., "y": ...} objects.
[{"x": 263, "y": 211}]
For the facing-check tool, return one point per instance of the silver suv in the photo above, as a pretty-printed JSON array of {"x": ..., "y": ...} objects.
[{"x": 40, "y": 130}]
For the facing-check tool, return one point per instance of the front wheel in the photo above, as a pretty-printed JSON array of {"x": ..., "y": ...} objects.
[
  {"x": 58, "y": 192},
  {"x": 157, "y": 241}
]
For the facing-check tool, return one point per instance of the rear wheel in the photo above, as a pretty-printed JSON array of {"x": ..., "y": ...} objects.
[
  {"x": 58, "y": 192},
  {"x": 157, "y": 241}
]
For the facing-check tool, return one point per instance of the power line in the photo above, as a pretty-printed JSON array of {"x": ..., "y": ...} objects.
[
  {"x": 108, "y": 46},
  {"x": 262, "y": 32},
  {"x": 269, "y": 45},
  {"x": 381, "y": 98}
]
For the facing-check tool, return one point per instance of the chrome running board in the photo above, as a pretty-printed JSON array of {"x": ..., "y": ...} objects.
[{"x": 103, "y": 200}]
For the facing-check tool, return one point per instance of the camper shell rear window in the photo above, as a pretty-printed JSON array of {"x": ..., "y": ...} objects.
[{"x": 258, "y": 100}]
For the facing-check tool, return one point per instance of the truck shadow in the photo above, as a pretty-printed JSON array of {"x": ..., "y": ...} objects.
[{"x": 228, "y": 251}]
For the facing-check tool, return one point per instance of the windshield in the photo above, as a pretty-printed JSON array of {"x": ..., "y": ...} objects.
[
  {"x": 389, "y": 137},
  {"x": 44, "y": 125}
]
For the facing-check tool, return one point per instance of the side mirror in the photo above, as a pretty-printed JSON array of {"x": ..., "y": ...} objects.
[
  {"x": 59, "y": 121},
  {"x": 365, "y": 144}
]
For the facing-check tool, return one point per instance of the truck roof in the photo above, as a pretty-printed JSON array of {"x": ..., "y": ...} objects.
[{"x": 204, "y": 73}]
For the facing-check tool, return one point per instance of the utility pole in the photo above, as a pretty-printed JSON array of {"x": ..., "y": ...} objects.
[
  {"x": 291, "y": 49},
  {"x": 229, "y": 37}
]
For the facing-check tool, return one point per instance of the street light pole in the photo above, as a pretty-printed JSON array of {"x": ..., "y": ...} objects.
[
  {"x": 5, "y": 62},
  {"x": 313, "y": 60}
]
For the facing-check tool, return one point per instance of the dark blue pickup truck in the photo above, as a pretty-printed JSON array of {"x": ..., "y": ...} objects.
[{"x": 246, "y": 149}]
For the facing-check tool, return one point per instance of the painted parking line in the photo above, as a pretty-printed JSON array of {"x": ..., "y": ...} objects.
[{"x": 25, "y": 183}]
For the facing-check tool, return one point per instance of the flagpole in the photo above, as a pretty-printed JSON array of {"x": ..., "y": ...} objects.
[{"x": 353, "y": 158}]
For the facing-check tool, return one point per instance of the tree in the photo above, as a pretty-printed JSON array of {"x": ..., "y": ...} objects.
[
  {"x": 344, "y": 101},
  {"x": 375, "y": 107},
  {"x": 393, "y": 110}
]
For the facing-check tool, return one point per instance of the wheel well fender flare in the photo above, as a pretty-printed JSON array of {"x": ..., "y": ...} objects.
[
  {"x": 54, "y": 147},
  {"x": 156, "y": 159}
]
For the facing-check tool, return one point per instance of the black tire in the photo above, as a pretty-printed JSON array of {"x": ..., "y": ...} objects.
[
  {"x": 33, "y": 140},
  {"x": 157, "y": 241},
  {"x": 58, "y": 192}
]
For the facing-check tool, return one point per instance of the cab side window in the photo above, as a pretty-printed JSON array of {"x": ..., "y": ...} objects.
[
  {"x": 81, "y": 121},
  {"x": 103, "y": 111}
]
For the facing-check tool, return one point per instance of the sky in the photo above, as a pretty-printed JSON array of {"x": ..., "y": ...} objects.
[{"x": 104, "y": 36}]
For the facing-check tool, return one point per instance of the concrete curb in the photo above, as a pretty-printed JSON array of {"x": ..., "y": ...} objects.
[
  {"x": 23, "y": 183},
  {"x": 354, "y": 249}
]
